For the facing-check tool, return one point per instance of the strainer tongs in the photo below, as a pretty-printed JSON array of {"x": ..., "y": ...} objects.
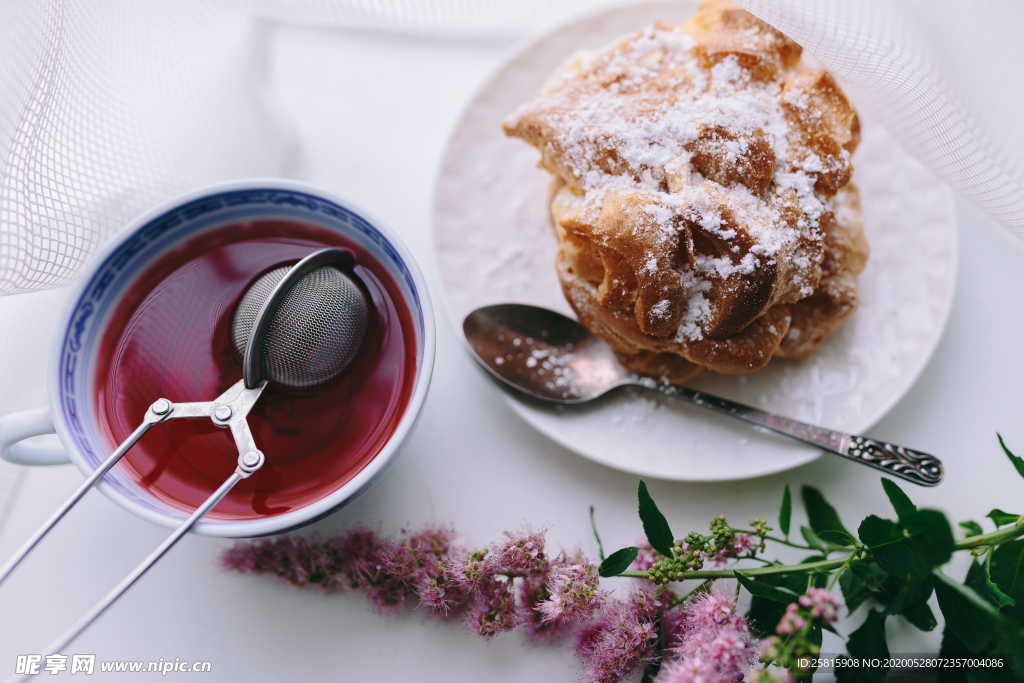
[
  {"x": 227, "y": 410},
  {"x": 299, "y": 326}
]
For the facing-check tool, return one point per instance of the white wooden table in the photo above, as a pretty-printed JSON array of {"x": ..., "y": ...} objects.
[{"x": 372, "y": 112}]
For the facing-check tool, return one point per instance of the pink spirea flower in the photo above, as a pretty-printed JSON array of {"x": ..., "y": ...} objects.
[
  {"x": 563, "y": 597},
  {"x": 533, "y": 591},
  {"x": 791, "y": 621},
  {"x": 507, "y": 585},
  {"x": 741, "y": 546},
  {"x": 346, "y": 561},
  {"x": 493, "y": 609},
  {"x": 624, "y": 637},
  {"x": 821, "y": 604},
  {"x": 474, "y": 568},
  {"x": 424, "y": 566},
  {"x": 645, "y": 559},
  {"x": 389, "y": 572},
  {"x": 711, "y": 643},
  {"x": 572, "y": 592},
  {"x": 521, "y": 553}
]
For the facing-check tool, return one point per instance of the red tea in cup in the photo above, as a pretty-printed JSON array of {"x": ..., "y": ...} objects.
[{"x": 171, "y": 336}]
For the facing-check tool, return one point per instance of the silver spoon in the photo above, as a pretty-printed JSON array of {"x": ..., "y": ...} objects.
[{"x": 554, "y": 359}]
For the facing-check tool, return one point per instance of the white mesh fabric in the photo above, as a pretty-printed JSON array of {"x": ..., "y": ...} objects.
[
  {"x": 108, "y": 108},
  {"x": 944, "y": 77},
  {"x": 451, "y": 18}
]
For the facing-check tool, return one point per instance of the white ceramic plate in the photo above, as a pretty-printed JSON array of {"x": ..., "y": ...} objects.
[{"x": 494, "y": 244}]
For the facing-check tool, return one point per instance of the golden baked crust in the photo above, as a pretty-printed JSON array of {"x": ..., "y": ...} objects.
[
  {"x": 701, "y": 197},
  {"x": 846, "y": 253}
]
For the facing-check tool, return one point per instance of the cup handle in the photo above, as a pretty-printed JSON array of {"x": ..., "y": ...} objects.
[{"x": 16, "y": 427}]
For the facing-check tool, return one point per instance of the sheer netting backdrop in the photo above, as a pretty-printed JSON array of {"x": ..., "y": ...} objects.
[{"x": 108, "y": 108}]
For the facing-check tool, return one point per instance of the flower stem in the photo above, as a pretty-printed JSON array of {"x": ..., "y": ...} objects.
[
  {"x": 775, "y": 539},
  {"x": 993, "y": 538},
  {"x": 702, "y": 587},
  {"x": 822, "y": 565},
  {"x": 597, "y": 536}
]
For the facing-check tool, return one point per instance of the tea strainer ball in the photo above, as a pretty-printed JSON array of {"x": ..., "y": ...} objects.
[{"x": 301, "y": 325}]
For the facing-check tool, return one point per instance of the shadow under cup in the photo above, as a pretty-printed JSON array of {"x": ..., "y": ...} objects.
[{"x": 154, "y": 321}]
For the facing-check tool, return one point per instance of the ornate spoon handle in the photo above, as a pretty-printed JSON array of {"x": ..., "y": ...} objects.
[
  {"x": 898, "y": 461},
  {"x": 906, "y": 463}
]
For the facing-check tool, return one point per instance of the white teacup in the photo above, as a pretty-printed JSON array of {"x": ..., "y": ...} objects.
[{"x": 71, "y": 413}]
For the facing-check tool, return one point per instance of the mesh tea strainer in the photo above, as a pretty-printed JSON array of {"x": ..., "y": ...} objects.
[{"x": 297, "y": 326}]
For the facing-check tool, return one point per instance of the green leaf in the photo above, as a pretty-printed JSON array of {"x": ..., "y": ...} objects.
[
  {"x": 999, "y": 518},
  {"x": 1007, "y": 642},
  {"x": 1010, "y": 644},
  {"x": 812, "y": 539},
  {"x": 785, "y": 511},
  {"x": 875, "y": 531},
  {"x": 814, "y": 635},
  {"x": 763, "y": 589},
  {"x": 972, "y": 528},
  {"x": 819, "y": 543},
  {"x": 969, "y": 617},
  {"x": 978, "y": 582},
  {"x": 952, "y": 648},
  {"x": 900, "y": 502},
  {"x": 1018, "y": 462},
  {"x": 869, "y": 638},
  {"x": 764, "y": 614},
  {"x": 914, "y": 548},
  {"x": 824, "y": 519},
  {"x": 867, "y": 642},
  {"x": 1006, "y": 646},
  {"x": 998, "y": 597},
  {"x": 908, "y": 597},
  {"x": 888, "y": 546},
  {"x": 1007, "y": 571},
  {"x": 618, "y": 562},
  {"x": 921, "y": 616},
  {"x": 931, "y": 537},
  {"x": 813, "y": 558},
  {"x": 659, "y": 535},
  {"x": 902, "y": 594},
  {"x": 860, "y": 581}
]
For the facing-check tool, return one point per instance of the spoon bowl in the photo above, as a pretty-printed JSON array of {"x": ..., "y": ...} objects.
[{"x": 542, "y": 353}]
